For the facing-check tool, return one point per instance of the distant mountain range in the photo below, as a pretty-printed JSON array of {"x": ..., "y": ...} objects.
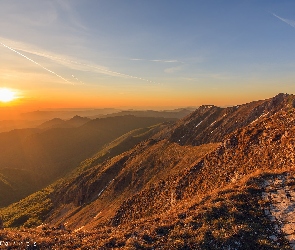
[
  {"x": 66, "y": 113},
  {"x": 200, "y": 182},
  {"x": 177, "y": 113},
  {"x": 75, "y": 121},
  {"x": 63, "y": 117}
]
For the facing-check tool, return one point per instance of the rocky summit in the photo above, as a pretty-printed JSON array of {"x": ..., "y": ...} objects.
[{"x": 219, "y": 178}]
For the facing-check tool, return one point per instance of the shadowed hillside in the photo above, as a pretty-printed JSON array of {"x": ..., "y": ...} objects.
[
  {"x": 17, "y": 183},
  {"x": 35, "y": 207},
  {"x": 52, "y": 153}
]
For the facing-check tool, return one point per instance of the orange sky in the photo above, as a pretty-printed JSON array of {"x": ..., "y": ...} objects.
[
  {"x": 38, "y": 100},
  {"x": 90, "y": 54}
]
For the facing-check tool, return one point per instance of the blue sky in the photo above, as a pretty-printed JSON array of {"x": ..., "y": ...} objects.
[{"x": 146, "y": 53}]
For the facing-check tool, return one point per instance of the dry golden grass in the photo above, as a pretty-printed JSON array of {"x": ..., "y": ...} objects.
[{"x": 164, "y": 195}]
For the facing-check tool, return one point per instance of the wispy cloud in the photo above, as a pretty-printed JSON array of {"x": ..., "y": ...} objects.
[
  {"x": 216, "y": 76},
  {"x": 72, "y": 14},
  {"x": 172, "y": 70},
  {"x": 166, "y": 61},
  {"x": 287, "y": 21},
  {"x": 156, "y": 60},
  {"x": 66, "y": 61}
]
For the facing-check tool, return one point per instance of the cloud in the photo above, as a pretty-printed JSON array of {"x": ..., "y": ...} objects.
[
  {"x": 172, "y": 70},
  {"x": 290, "y": 22},
  {"x": 156, "y": 60},
  {"x": 191, "y": 79},
  {"x": 72, "y": 14},
  {"x": 165, "y": 61}
]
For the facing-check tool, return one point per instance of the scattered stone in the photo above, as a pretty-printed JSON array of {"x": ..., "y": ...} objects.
[
  {"x": 282, "y": 208},
  {"x": 273, "y": 237}
]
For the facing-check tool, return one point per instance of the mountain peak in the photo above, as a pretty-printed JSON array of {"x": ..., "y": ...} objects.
[{"x": 210, "y": 123}]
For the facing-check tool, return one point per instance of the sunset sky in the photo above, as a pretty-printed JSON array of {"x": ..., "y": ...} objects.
[{"x": 145, "y": 53}]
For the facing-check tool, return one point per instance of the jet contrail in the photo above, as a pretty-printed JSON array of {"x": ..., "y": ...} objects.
[
  {"x": 287, "y": 21},
  {"x": 36, "y": 63},
  {"x": 97, "y": 68},
  {"x": 110, "y": 72},
  {"x": 73, "y": 64},
  {"x": 78, "y": 80}
]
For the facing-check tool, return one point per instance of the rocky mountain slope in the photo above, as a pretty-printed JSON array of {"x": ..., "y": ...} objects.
[
  {"x": 262, "y": 146},
  {"x": 197, "y": 184},
  {"x": 210, "y": 123}
]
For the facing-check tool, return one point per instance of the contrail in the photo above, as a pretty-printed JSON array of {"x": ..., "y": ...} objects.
[
  {"x": 50, "y": 71},
  {"x": 73, "y": 64},
  {"x": 290, "y": 22},
  {"x": 110, "y": 72},
  {"x": 78, "y": 80},
  {"x": 97, "y": 68}
]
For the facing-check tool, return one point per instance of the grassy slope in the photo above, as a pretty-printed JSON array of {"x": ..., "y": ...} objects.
[
  {"x": 228, "y": 218},
  {"x": 266, "y": 144},
  {"x": 105, "y": 187},
  {"x": 34, "y": 208},
  {"x": 50, "y": 154},
  {"x": 16, "y": 184}
]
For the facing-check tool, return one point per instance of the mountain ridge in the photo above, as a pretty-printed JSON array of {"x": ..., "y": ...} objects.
[{"x": 183, "y": 187}]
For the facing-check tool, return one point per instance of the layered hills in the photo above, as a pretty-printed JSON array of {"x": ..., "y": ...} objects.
[
  {"x": 196, "y": 184},
  {"x": 49, "y": 153},
  {"x": 36, "y": 118},
  {"x": 75, "y": 121}
]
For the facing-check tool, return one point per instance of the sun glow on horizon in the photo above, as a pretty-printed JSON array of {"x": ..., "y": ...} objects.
[{"x": 7, "y": 95}]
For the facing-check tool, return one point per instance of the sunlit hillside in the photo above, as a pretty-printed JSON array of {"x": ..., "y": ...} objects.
[{"x": 150, "y": 189}]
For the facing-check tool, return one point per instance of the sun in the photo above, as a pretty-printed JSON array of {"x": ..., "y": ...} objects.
[{"x": 7, "y": 95}]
